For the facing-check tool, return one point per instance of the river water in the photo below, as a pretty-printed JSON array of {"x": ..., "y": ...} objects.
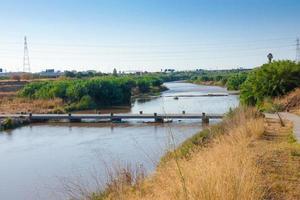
[{"x": 36, "y": 161}]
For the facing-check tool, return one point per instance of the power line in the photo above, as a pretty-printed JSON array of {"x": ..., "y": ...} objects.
[
  {"x": 139, "y": 45},
  {"x": 152, "y": 52},
  {"x": 26, "y": 63}
]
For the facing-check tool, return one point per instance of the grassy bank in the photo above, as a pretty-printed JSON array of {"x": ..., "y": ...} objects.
[
  {"x": 286, "y": 103},
  {"x": 243, "y": 157},
  {"x": 231, "y": 79},
  {"x": 9, "y": 123},
  {"x": 216, "y": 163}
]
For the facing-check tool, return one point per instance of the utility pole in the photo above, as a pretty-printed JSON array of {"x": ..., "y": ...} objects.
[
  {"x": 297, "y": 50},
  {"x": 26, "y": 63}
]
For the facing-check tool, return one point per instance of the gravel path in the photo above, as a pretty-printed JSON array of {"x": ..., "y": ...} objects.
[{"x": 291, "y": 117}]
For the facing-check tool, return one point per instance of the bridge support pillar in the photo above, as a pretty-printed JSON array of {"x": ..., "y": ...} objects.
[
  {"x": 205, "y": 119},
  {"x": 114, "y": 119},
  {"x": 158, "y": 119},
  {"x": 75, "y": 120},
  {"x": 72, "y": 119},
  {"x": 30, "y": 117}
]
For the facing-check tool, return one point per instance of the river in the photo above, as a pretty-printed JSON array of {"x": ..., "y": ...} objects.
[{"x": 37, "y": 160}]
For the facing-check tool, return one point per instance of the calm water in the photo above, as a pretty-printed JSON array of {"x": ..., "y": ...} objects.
[{"x": 36, "y": 160}]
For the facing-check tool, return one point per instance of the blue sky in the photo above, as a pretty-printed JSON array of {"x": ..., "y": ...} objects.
[{"x": 147, "y": 34}]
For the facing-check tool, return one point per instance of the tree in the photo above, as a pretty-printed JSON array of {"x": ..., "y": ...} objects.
[
  {"x": 115, "y": 73},
  {"x": 236, "y": 80},
  {"x": 157, "y": 82},
  {"x": 270, "y": 80},
  {"x": 70, "y": 74},
  {"x": 143, "y": 85}
]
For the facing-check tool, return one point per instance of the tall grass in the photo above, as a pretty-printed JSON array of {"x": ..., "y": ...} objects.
[
  {"x": 18, "y": 105},
  {"x": 224, "y": 168},
  {"x": 119, "y": 180}
]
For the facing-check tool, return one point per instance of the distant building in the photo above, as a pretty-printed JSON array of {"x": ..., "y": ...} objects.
[
  {"x": 1, "y": 70},
  {"x": 137, "y": 72},
  {"x": 91, "y": 71},
  {"x": 50, "y": 73},
  {"x": 169, "y": 70}
]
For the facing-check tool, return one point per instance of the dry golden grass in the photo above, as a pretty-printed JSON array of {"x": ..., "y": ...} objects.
[
  {"x": 18, "y": 105},
  {"x": 7, "y": 94},
  {"x": 225, "y": 169},
  {"x": 290, "y": 101},
  {"x": 248, "y": 157}
]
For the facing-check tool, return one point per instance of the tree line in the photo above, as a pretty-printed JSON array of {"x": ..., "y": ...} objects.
[{"x": 232, "y": 79}]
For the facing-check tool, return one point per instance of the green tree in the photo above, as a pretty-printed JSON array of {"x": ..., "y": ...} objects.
[
  {"x": 143, "y": 85},
  {"x": 270, "y": 80},
  {"x": 115, "y": 73},
  {"x": 235, "y": 81}
]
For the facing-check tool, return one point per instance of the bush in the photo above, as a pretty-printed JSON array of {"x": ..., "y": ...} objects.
[
  {"x": 85, "y": 102},
  {"x": 205, "y": 78},
  {"x": 157, "y": 82},
  {"x": 270, "y": 80},
  {"x": 143, "y": 85},
  {"x": 99, "y": 91},
  {"x": 30, "y": 89},
  {"x": 235, "y": 81},
  {"x": 15, "y": 77},
  {"x": 7, "y": 123}
]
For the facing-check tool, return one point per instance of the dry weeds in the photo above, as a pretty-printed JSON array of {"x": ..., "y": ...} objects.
[
  {"x": 290, "y": 101},
  {"x": 225, "y": 169},
  {"x": 248, "y": 158},
  {"x": 22, "y": 105}
]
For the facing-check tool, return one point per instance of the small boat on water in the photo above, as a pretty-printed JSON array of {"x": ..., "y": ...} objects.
[{"x": 176, "y": 98}]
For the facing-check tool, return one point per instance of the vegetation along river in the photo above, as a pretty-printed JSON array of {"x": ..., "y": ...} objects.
[{"x": 36, "y": 161}]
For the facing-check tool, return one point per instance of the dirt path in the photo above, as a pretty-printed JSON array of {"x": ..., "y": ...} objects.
[
  {"x": 295, "y": 119},
  {"x": 279, "y": 160}
]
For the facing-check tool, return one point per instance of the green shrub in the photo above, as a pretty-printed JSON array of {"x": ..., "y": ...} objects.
[
  {"x": 270, "y": 80},
  {"x": 99, "y": 91},
  {"x": 236, "y": 80},
  {"x": 157, "y": 82},
  {"x": 30, "y": 89},
  {"x": 7, "y": 123},
  {"x": 143, "y": 86},
  {"x": 85, "y": 102}
]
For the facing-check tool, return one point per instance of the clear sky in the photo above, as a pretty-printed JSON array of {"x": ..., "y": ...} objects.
[{"x": 147, "y": 34}]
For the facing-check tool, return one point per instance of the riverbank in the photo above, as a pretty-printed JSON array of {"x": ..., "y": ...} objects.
[
  {"x": 286, "y": 103},
  {"x": 243, "y": 157},
  {"x": 15, "y": 104},
  {"x": 211, "y": 83},
  {"x": 215, "y": 83},
  {"x": 11, "y": 123}
]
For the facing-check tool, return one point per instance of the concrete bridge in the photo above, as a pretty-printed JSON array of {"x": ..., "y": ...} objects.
[{"x": 111, "y": 117}]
